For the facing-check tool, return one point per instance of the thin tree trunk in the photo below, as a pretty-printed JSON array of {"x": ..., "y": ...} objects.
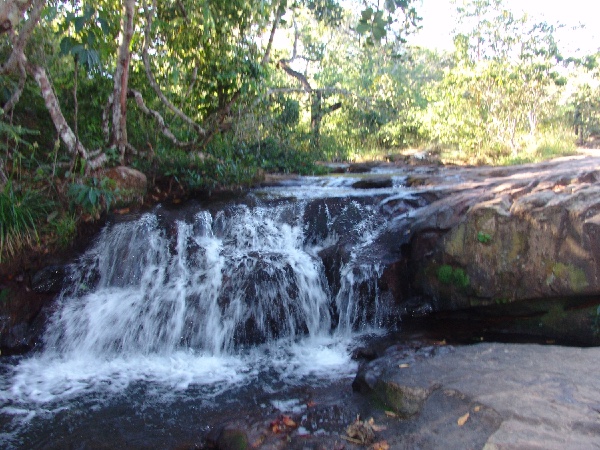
[
  {"x": 139, "y": 100},
  {"x": 121, "y": 79},
  {"x": 278, "y": 16}
]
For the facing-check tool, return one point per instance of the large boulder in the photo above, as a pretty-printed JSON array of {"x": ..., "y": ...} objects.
[
  {"x": 535, "y": 396},
  {"x": 490, "y": 238},
  {"x": 517, "y": 236},
  {"x": 132, "y": 183}
]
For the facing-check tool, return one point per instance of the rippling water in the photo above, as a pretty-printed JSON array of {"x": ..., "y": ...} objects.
[{"x": 172, "y": 314}]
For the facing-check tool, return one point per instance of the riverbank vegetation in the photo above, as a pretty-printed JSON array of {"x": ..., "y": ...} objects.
[{"x": 209, "y": 94}]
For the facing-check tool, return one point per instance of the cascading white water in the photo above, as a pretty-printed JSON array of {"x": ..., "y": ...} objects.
[
  {"x": 206, "y": 300},
  {"x": 213, "y": 284},
  {"x": 194, "y": 303}
]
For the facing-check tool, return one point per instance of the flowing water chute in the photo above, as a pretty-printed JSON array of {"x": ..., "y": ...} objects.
[
  {"x": 213, "y": 284},
  {"x": 209, "y": 299}
]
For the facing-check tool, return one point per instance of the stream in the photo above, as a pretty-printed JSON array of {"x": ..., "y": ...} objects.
[{"x": 179, "y": 319}]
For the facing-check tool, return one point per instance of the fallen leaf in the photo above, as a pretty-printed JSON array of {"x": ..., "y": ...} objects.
[
  {"x": 288, "y": 422},
  {"x": 258, "y": 442},
  {"x": 283, "y": 424},
  {"x": 477, "y": 409},
  {"x": 383, "y": 445},
  {"x": 378, "y": 427},
  {"x": 361, "y": 430},
  {"x": 391, "y": 414},
  {"x": 463, "y": 419},
  {"x": 349, "y": 439},
  {"x": 404, "y": 366}
]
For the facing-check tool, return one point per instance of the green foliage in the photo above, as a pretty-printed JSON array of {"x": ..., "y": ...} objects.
[
  {"x": 273, "y": 156},
  {"x": 20, "y": 214},
  {"x": 376, "y": 23},
  {"x": 93, "y": 196},
  {"x": 65, "y": 229},
  {"x": 456, "y": 277},
  {"x": 484, "y": 238},
  {"x": 4, "y": 294}
]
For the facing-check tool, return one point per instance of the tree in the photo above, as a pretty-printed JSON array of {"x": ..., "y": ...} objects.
[{"x": 504, "y": 80}]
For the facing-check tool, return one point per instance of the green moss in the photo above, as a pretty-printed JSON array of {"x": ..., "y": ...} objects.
[
  {"x": 4, "y": 294},
  {"x": 444, "y": 274},
  {"x": 484, "y": 238},
  {"x": 404, "y": 400},
  {"x": 457, "y": 277},
  {"x": 554, "y": 318},
  {"x": 574, "y": 276},
  {"x": 233, "y": 439},
  {"x": 456, "y": 241}
]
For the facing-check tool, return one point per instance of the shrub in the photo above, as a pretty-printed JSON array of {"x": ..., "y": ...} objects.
[{"x": 20, "y": 212}]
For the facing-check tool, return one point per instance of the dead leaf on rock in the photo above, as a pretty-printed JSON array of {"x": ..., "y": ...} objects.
[
  {"x": 288, "y": 422},
  {"x": 463, "y": 419},
  {"x": 404, "y": 366},
  {"x": 383, "y": 445},
  {"x": 360, "y": 431},
  {"x": 477, "y": 409},
  {"x": 283, "y": 424},
  {"x": 391, "y": 414}
]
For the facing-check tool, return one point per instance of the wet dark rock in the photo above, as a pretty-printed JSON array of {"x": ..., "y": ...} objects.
[
  {"x": 22, "y": 319},
  {"x": 373, "y": 183},
  {"x": 232, "y": 439},
  {"x": 229, "y": 436},
  {"x": 332, "y": 217},
  {"x": 49, "y": 280},
  {"x": 268, "y": 291},
  {"x": 361, "y": 167}
]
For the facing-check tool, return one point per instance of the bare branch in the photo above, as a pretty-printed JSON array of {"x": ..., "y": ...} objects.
[
  {"x": 139, "y": 100},
  {"x": 12, "y": 9},
  {"x": 278, "y": 15},
  {"x": 297, "y": 75},
  {"x": 62, "y": 127},
  {"x": 16, "y": 95},
  {"x": 193, "y": 82}
]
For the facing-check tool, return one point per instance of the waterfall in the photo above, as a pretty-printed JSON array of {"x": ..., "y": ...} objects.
[
  {"x": 244, "y": 294},
  {"x": 217, "y": 282}
]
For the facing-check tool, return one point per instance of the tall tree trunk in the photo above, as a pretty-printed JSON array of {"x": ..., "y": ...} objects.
[
  {"x": 121, "y": 80},
  {"x": 11, "y": 13}
]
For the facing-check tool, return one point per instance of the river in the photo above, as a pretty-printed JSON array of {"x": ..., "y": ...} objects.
[{"x": 178, "y": 318}]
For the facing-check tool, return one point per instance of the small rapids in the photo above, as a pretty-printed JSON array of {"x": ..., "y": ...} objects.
[{"x": 201, "y": 302}]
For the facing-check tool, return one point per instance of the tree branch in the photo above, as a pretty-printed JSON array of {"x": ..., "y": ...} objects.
[
  {"x": 278, "y": 16},
  {"x": 62, "y": 127},
  {"x": 11, "y": 12},
  {"x": 147, "y": 38},
  {"x": 139, "y": 100}
]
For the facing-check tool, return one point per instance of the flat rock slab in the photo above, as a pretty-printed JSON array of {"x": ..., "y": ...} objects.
[{"x": 529, "y": 396}]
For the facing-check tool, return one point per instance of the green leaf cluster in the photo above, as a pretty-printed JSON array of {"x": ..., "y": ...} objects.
[
  {"x": 454, "y": 276},
  {"x": 94, "y": 195}
]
